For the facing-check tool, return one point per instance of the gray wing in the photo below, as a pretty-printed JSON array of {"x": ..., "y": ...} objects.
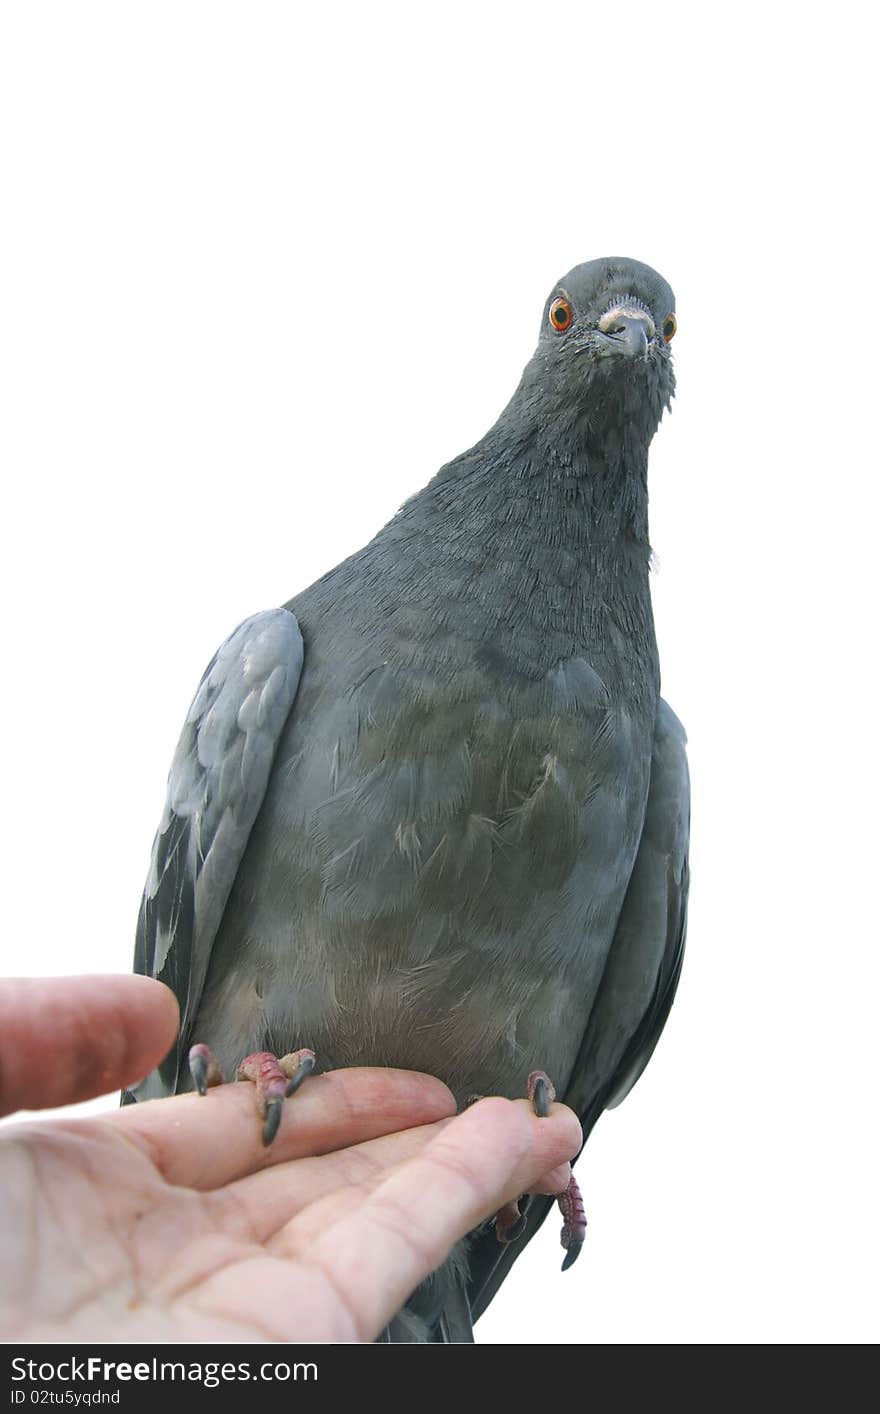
[
  {"x": 216, "y": 786},
  {"x": 641, "y": 976},
  {"x": 638, "y": 984}
]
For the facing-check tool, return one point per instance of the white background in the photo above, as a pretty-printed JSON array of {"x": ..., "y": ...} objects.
[{"x": 265, "y": 267}]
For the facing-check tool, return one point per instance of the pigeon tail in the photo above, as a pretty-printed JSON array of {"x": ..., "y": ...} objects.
[{"x": 452, "y": 1327}]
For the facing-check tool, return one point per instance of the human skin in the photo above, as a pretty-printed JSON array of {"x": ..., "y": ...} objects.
[{"x": 169, "y": 1220}]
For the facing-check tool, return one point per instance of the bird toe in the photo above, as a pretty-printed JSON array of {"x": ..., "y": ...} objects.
[
  {"x": 274, "y": 1081},
  {"x": 204, "y": 1068},
  {"x": 541, "y": 1091}
]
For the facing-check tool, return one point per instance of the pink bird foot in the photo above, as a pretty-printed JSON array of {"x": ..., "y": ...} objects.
[
  {"x": 574, "y": 1222},
  {"x": 274, "y": 1079},
  {"x": 510, "y": 1221},
  {"x": 542, "y": 1092}
]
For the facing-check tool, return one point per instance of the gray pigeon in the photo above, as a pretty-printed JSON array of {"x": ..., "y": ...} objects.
[{"x": 433, "y": 813}]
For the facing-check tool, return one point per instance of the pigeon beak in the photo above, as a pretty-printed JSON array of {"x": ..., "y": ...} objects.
[{"x": 630, "y": 334}]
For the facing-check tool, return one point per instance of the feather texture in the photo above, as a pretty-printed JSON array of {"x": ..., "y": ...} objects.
[
  {"x": 463, "y": 847},
  {"x": 216, "y": 785}
]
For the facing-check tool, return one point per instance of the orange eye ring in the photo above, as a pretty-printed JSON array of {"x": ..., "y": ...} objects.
[
  {"x": 561, "y": 315},
  {"x": 669, "y": 327}
]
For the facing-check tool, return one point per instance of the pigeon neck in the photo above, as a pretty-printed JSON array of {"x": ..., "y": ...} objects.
[
  {"x": 535, "y": 546},
  {"x": 546, "y": 484},
  {"x": 597, "y": 446}
]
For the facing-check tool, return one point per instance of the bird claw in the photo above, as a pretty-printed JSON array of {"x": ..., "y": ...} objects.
[
  {"x": 298, "y": 1066},
  {"x": 204, "y": 1068},
  {"x": 541, "y": 1091},
  {"x": 571, "y": 1255},
  {"x": 574, "y": 1222},
  {"x": 272, "y": 1118},
  {"x": 510, "y": 1221},
  {"x": 274, "y": 1079}
]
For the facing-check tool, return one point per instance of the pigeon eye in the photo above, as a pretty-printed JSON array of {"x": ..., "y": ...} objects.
[
  {"x": 669, "y": 328},
  {"x": 561, "y": 315}
]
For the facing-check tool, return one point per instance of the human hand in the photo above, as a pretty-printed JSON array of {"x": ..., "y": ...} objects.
[{"x": 169, "y": 1221}]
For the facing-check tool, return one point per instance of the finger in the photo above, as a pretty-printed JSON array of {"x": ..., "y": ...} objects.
[
  {"x": 554, "y": 1182},
  {"x": 375, "y": 1252},
  {"x": 257, "y": 1206},
  {"x": 207, "y": 1141},
  {"x": 64, "y": 1039}
]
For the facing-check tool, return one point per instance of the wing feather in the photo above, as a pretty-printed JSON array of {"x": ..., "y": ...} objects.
[
  {"x": 216, "y": 786},
  {"x": 638, "y": 985}
]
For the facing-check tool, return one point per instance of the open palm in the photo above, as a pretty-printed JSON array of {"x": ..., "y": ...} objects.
[{"x": 169, "y": 1221}]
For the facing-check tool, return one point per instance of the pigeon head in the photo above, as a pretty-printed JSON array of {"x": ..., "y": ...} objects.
[
  {"x": 602, "y": 372},
  {"x": 611, "y": 309}
]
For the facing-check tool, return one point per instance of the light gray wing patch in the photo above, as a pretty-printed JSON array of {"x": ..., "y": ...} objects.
[{"x": 216, "y": 786}]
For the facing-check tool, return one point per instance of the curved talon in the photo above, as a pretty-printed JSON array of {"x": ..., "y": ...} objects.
[
  {"x": 272, "y": 1121},
  {"x": 204, "y": 1068},
  {"x": 299, "y": 1067},
  {"x": 198, "y": 1069},
  {"x": 514, "y": 1233},
  {"x": 572, "y": 1254},
  {"x": 275, "y": 1080},
  {"x": 510, "y": 1222},
  {"x": 541, "y": 1091}
]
